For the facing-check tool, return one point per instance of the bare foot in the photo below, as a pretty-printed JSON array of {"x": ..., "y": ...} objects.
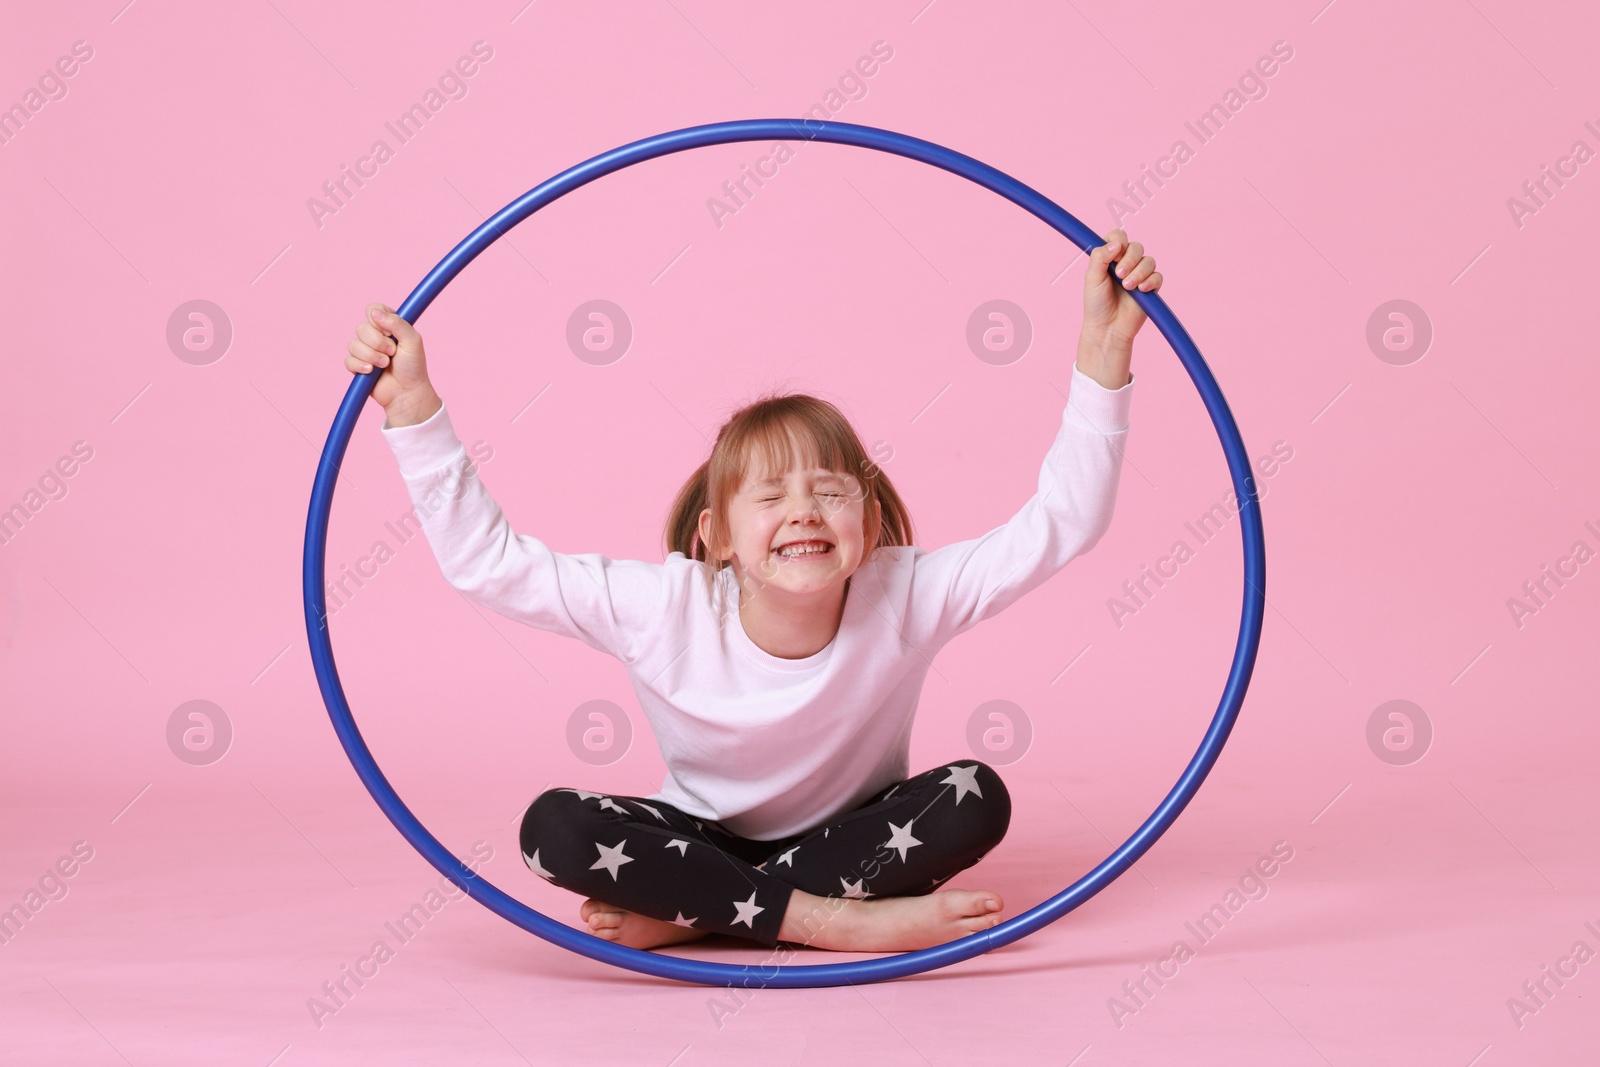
[
  {"x": 632, "y": 929},
  {"x": 889, "y": 924}
]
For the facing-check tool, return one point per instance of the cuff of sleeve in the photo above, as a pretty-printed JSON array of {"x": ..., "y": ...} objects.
[
  {"x": 1092, "y": 406},
  {"x": 424, "y": 446}
]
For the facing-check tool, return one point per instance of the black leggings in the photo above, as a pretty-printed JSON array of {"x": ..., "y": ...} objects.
[{"x": 650, "y": 858}]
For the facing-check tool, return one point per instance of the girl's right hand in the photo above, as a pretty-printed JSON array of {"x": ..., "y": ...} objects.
[{"x": 386, "y": 341}]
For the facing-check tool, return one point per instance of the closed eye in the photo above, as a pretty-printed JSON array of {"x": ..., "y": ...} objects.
[{"x": 770, "y": 499}]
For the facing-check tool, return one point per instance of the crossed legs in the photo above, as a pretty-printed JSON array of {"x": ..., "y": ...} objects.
[{"x": 864, "y": 881}]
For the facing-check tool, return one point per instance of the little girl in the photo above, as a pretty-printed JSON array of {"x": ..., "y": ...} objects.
[{"x": 778, "y": 653}]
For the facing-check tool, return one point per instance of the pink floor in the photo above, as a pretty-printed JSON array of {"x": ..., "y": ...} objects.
[
  {"x": 204, "y": 926},
  {"x": 1434, "y": 899}
]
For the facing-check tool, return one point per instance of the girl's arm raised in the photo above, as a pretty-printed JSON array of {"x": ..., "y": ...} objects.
[
  {"x": 956, "y": 587},
  {"x": 607, "y": 604},
  {"x": 611, "y": 605}
]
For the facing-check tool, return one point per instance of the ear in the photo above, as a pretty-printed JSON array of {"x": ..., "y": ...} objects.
[{"x": 704, "y": 530}]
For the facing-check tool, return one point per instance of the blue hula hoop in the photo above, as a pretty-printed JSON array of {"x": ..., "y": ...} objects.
[{"x": 776, "y": 976}]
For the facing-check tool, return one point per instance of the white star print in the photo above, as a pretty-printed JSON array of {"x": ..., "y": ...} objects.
[
  {"x": 890, "y": 793},
  {"x": 900, "y": 838},
  {"x": 581, "y": 794},
  {"x": 607, "y": 802},
  {"x": 651, "y": 810},
  {"x": 533, "y": 865},
  {"x": 611, "y": 858},
  {"x": 681, "y": 844},
  {"x": 681, "y": 921},
  {"x": 747, "y": 910},
  {"x": 856, "y": 890},
  {"x": 788, "y": 857},
  {"x": 965, "y": 780}
]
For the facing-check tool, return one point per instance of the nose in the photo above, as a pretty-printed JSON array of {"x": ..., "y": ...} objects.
[
  {"x": 807, "y": 513},
  {"x": 804, "y": 508}
]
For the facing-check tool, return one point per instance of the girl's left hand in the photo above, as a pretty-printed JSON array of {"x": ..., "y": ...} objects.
[{"x": 1110, "y": 314}]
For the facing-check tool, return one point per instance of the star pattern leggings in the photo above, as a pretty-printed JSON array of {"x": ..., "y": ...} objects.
[{"x": 652, "y": 859}]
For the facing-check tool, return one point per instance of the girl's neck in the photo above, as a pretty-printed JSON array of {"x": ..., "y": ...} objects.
[{"x": 790, "y": 631}]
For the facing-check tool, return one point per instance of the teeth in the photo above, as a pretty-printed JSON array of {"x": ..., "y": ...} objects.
[{"x": 808, "y": 550}]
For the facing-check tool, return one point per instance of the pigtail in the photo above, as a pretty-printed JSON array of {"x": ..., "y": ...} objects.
[{"x": 683, "y": 519}]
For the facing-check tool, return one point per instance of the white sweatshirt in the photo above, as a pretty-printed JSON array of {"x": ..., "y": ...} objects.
[{"x": 771, "y": 747}]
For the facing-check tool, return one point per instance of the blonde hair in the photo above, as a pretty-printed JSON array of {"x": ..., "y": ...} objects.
[{"x": 768, "y": 427}]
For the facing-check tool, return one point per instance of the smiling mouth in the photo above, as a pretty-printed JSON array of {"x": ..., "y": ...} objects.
[{"x": 808, "y": 550}]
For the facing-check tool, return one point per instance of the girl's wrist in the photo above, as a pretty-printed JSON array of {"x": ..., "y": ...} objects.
[
  {"x": 1105, "y": 360},
  {"x": 408, "y": 409}
]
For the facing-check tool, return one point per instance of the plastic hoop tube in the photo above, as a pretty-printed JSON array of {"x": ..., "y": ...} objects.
[{"x": 829, "y": 974}]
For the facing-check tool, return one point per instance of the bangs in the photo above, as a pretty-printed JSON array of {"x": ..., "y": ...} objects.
[{"x": 769, "y": 450}]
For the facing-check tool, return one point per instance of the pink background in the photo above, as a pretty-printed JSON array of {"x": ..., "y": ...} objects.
[{"x": 1418, "y": 499}]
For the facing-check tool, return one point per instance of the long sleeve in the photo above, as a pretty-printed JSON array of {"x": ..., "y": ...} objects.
[
  {"x": 956, "y": 587},
  {"x": 607, "y": 604}
]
